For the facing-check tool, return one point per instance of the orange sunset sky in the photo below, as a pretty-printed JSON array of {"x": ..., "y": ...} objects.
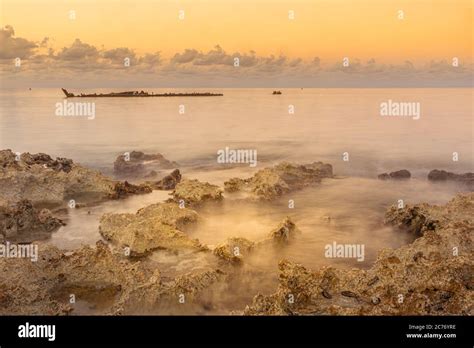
[{"x": 431, "y": 32}]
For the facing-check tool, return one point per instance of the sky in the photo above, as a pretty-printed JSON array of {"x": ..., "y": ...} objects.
[{"x": 194, "y": 43}]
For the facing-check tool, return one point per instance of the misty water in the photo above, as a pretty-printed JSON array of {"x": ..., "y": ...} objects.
[{"x": 325, "y": 124}]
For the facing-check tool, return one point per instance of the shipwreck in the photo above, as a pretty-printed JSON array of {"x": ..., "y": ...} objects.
[{"x": 138, "y": 94}]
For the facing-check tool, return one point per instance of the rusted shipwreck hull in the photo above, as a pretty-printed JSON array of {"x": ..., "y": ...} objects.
[{"x": 136, "y": 94}]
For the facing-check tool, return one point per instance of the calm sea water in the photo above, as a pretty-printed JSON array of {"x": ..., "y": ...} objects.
[{"x": 325, "y": 124}]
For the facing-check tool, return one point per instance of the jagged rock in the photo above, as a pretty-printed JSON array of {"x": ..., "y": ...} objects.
[
  {"x": 23, "y": 161},
  {"x": 283, "y": 178},
  {"x": 59, "y": 164},
  {"x": 42, "y": 180},
  {"x": 137, "y": 163},
  {"x": 431, "y": 276},
  {"x": 415, "y": 220},
  {"x": 442, "y": 175},
  {"x": 234, "y": 250},
  {"x": 194, "y": 192},
  {"x": 399, "y": 174},
  {"x": 103, "y": 282},
  {"x": 169, "y": 182},
  {"x": 21, "y": 222},
  {"x": 93, "y": 275},
  {"x": 191, "y": 284},
  {"x": 124, "y": 189},
  {"x": 285, "y": 231},
  {"x": 157, "y": 226}
]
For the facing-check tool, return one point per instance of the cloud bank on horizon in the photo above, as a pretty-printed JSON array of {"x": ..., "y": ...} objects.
[{"x": 26, "y": 63}]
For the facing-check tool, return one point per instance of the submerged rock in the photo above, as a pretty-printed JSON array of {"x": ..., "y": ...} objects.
[
  {"x": 270, "y": 183},
  {"x": 194, "y": 192},
  {"x": 137, "y": 163},
  {"x": 442, "y": 175},
  {"x": 285, "y": 231},
  {"x": 234, "y": 249},
  {"x": 157, "y": 226},
  {"x": 45, "y": 181},
  {"x": 431, "y": 276},
  {"x": 168, "y": 182},
  {"x": 124, "y": 189},
  {"x": 22, "y": 223},
  {"x": 399, "y": 174}
]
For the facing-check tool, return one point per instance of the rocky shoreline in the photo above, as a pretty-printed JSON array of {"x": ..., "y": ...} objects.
[{"x": 432, "y": 275}]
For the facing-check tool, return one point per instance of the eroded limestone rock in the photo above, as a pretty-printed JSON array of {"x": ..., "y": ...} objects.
[
  {"x": 137, "y": 163},
  {"x": 22, "y": 223},
  {"x": 285, "y": 232},
  {"x": 397, "y": 175},
  {"x": 92, "y": 275},
  {"x": 431, "y": 276},
  {"x": 283, "y": 178},
  {"x": 44, "y": 181},
  {"x": 157, "y": 226},
  {"x": 194, "y": 192},
  {"x": 124, "y": 189},
  {"x": 168, "y": 182},
  {"x": 234, "y": 250}
]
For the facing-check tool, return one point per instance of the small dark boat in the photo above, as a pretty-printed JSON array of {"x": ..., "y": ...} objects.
[{"x": 138, "y": 94}]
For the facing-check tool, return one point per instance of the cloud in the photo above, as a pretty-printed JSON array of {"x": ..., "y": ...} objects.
[
  {"x": 12, "y": 47},
  {"x": 119, "y": 54},
  {"x": 186, "y": 57},
  {"x": 216, "y": 56},
  {"x": 192, "y": 67},
  {"x": 78, "y": 51}
]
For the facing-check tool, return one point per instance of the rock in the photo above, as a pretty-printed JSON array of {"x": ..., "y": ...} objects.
[
  {"x": 190, "y": 293},
  {"x": 157, "y": 226},
  {"x": 169, "y": 182},
  {"x": 234, "y": 250},
  {"x": 442, "y": 175},
  {"x": 438, "y": 283},
  {"x": 136, "y": 163},
  {"x": 103, "y": 282},
  {"x": 399, "y": 174},
  {"x": 124, "y": 189},
  {"x": 194, "y": 192},
  {"x": 415, "y": 220},
  {"x": 8, "y": 159},
  {"x": 285, "y": 231},
  {"x": 22, "y": 223},
  {"x": 44, "y": 181},
  {"x": 283, "y": 178},
  {"x": 191, "y": 284},
  {"x": 95, "y": 276}
]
